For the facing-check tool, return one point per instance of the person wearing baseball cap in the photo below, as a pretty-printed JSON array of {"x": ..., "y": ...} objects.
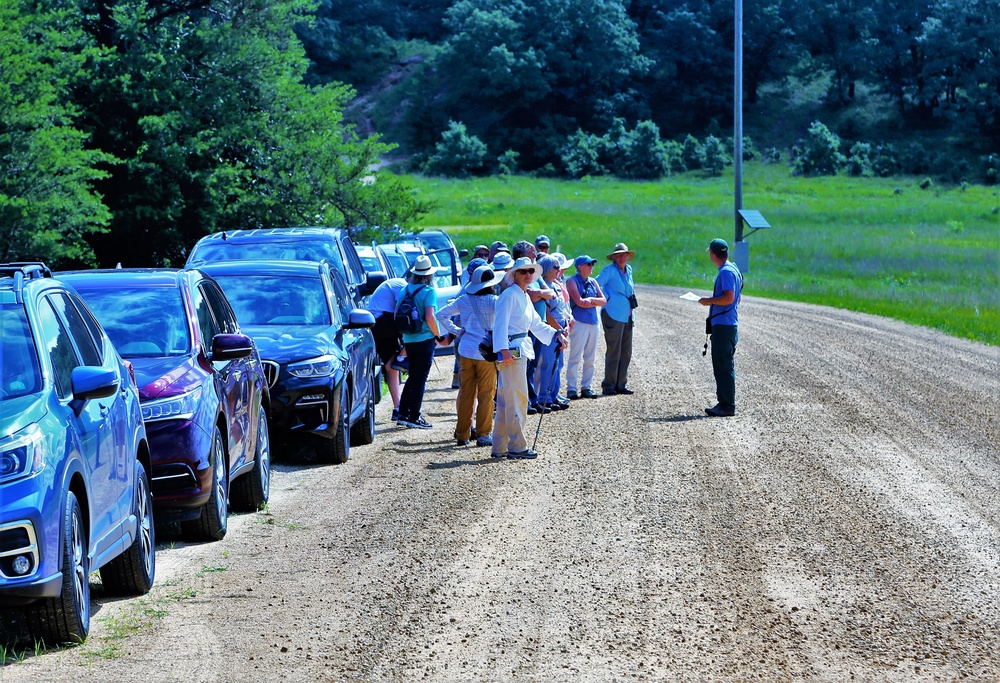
[
  {"x": 496, "y": 248},
  {"x": 722, "y": 323},
  {"x": 542, "y": 244},
  {"x": 481, "y": 251},
  {"x": 618, "y": 319},
  {"x": 585, "y": 298}
]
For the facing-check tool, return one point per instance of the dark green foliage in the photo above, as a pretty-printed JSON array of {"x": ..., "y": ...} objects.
[
  {"x": 692, "y": 153},
  {"x": 819, "y": 153},
  {"x": 458, "y": 154},
  {"x": 715, "y": 158},
  {"x": 991, "y": 168}
]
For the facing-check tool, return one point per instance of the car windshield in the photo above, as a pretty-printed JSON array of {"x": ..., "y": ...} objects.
[
  {"x": 18, "y": 360},
  {"x": 143, "y": 322},
  {"x": 276, "y": 300},
  {"x": 371, "y": 263},
  {"x": 398, "y": 262},
  {"x": 281, "y": 250}
]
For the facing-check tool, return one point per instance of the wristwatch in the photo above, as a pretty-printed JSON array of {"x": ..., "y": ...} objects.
[{"x": 439, "y": 339}]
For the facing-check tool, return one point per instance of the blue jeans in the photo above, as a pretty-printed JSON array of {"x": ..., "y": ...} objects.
[
  {"x": 420, "y": 356},
  {"x": 550, "y": 365}
]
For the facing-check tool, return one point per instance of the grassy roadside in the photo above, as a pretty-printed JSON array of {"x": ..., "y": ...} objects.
[{"x": 927, "y": 256}]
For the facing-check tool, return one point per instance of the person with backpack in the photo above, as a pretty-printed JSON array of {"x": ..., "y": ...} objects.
[{"x": 416, "y": 319}]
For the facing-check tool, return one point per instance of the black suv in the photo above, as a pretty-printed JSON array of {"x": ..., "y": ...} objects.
[{"x": 291, "y": 244}]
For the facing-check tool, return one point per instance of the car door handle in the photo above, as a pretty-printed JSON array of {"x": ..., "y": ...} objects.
[{"x": 104, "y": 409}]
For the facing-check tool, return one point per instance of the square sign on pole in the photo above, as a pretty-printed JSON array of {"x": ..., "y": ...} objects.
[{"x": 755, "y": 221}]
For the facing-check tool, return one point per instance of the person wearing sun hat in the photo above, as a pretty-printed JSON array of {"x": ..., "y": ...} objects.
[
  {"x": 618, "y": 319},
  {"x": 723, "y": 316},
  {"x": 420, "y": 344},
  {"x": 515, "y": 318},
  {"x": 474, "y": 308},
  {"x": 585, "y": 297}
]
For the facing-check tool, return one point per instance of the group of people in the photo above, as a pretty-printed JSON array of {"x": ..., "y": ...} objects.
[{"x": 518, "y": 322}]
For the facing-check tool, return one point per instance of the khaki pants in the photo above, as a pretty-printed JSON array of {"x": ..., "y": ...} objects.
[
  {"x": 479, "y": 382},
  {"x": 512, "y": 408}
]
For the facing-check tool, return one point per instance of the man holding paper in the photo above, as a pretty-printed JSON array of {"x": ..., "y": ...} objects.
[{"x": 723, "y": 318}]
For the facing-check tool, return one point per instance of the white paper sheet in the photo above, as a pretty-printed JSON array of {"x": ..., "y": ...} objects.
[{"x": 690, "y": 296}]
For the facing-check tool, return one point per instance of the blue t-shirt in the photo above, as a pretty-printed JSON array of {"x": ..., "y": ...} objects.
[
  {"x": 585, "y": 290},
  {"x": 424, "y": 298},
  {"x": 617, "y": 287},
  {"x": 729, "y": 278}
]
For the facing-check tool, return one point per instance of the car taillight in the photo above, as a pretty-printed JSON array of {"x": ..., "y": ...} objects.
[{"x": 131, "y": 373}]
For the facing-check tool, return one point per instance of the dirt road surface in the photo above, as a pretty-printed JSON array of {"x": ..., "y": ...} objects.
[{"x": 844, "y": 525}]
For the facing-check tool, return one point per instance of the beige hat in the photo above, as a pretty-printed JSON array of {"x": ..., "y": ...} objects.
[
  {"x": 620, "y": 248},
  {"x": 423, "y": 266},
  {"x": 523, "y": 263}
]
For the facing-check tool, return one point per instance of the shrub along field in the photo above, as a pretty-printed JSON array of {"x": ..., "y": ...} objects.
[{"x": 905, "y": 248}]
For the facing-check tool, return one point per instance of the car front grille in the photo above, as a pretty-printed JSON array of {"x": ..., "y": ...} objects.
[
  {"x": 271, "y": 370},
  {"x": 173, "y": 477}
]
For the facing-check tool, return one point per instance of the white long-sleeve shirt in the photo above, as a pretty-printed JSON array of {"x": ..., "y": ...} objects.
[
  {"x": 515, "y": 314},
  {"x": 476, "y": 313}
]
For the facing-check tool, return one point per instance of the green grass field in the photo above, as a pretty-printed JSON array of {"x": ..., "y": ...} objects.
[{"x": 925, "y": 256}]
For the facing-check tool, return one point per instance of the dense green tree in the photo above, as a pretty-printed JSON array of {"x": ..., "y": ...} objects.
[
  {"x": 458, "y": 154},
  {"x": 47, "y": 201},
  {"x": 204, "y": 104}
]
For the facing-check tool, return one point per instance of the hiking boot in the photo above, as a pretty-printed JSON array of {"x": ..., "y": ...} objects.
[
  {"x": 718, "y": 411},
  {"x": 523, "y": 455},
  {"x": 484, "y": 440},
  {"x": 587, "y": 393},
  {"x": 395, "y": 415},
  {"x": 572, "y": 396}
]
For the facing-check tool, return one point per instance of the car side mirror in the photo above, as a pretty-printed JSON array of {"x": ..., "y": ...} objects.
[
  {"x": 90, "y": 382},
  {"x": 462, "y": 253},
  {"x": 372, "y": 281},
  {"x": 230, "y": 347},
  {"x": 360, "y": 319}
]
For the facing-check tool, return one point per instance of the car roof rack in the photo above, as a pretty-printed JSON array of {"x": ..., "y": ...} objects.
[{"x": 21, "y": 271}]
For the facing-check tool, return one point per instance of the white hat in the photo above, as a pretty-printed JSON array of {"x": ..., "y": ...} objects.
[
  {"x": 523, "y": 263},
  {"x": 502, "y": 261},
  {"x": 564, "y": 262},
  {"x": 483, "y": 277},
  {"x": 422, "y": 266}
]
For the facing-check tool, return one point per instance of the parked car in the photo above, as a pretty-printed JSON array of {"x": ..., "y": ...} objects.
[
  {"x": 291, "y": 244},
  {"x": 202, "y": 387},
  {"x": 74, "y": 491},
  {"x": 436, "y": 240},
  {"x": 395, "y": 259},
  {"x": 447, "y": 281},
  {"x": 318, "y": 349},
  {"x": 374, "y": 261}
]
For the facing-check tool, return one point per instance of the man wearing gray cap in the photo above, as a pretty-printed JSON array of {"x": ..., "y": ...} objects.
[{"x": 723, "y": 318}]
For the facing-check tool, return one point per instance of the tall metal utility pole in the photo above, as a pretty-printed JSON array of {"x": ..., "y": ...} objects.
[{"x": 738, "y": 120}]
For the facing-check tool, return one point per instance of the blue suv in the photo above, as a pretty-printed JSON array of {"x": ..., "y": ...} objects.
[{"x": 74, "y": 489}]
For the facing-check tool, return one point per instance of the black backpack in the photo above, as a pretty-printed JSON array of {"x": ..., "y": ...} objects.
[{"x": 408, "y": 318}]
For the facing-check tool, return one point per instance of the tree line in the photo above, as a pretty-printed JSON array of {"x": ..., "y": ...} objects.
[{"x": 528, "y": 78}]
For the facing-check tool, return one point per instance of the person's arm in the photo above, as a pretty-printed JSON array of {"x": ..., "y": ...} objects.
[
  {"x": 600, "y": 299},
  {"x": 501, "y": 325},
  {"x": 727, "y": 297},
  {"x": 446, "y": 314},
  {"x": 581, "y": 302}
]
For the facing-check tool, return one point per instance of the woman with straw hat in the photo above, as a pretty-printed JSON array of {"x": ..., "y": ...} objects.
[
  {"x": 618, "y": 319},
  {"x": 478, "y": 377},
  {"x": 515, "y": 317}
]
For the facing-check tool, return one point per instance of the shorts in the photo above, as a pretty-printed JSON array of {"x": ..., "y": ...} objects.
[{"x": 388, "y": 343}]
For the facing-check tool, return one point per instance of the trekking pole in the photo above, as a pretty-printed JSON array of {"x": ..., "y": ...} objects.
[{"x": 541, "y": 415}]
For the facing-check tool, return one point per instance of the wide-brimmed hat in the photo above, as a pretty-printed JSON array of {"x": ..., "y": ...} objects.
[
  {"x": 523, "y": 263},
  {"x": 483, "y": 277},
  {"x": 423, "y": 266},
  {"x": 502, "y": 261},
  {"x": 548, "y": 263},
  {"x": 564, "y": 262},
  {"x": 620, "y": 248},
  {"x": 584, "y": 260}
]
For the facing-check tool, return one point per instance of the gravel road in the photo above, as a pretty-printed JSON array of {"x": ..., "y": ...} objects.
[{"x": 844, "y": 525}]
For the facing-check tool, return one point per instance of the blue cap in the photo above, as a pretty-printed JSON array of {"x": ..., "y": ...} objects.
[
  {"x": 541, "y": 239},
  {"x": 475, "y": 263},
  {"x": 584, "y": 260}
]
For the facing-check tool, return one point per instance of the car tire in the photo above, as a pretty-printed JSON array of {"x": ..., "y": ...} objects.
[
  {"x": 66, "y": 619},
  {"x": 251, "y": 491},
  {"x": 363, "y": 431},
  {"x": 211, "y": 525},
  {"x": 338, "y": 449},
  {"x": 132, "y": 572}
]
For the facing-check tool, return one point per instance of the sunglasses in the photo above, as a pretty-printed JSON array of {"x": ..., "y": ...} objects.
[{"x": 524, "y": 271}]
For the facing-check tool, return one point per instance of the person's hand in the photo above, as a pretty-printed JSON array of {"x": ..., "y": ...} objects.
[
  {"x": 563, "y": 339},
  {"x": 547, "y": 294},
  {"x": 506, "y": 357}
]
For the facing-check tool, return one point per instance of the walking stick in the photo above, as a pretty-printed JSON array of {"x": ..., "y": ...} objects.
[{"x": 541, "y": 415}]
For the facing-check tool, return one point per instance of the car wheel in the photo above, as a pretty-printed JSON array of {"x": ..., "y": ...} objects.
[
  {"x": 131, "y": 573},
  {"x": 66, "y": 619},
  {"x": 212, "y": 523},
  {"x": 250, "y": 492},
  {"x": 363, "y": 431},
  {"x": 338, "y": 449}
]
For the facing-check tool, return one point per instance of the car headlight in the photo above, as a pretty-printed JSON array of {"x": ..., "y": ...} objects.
[
  {"x": 322, "y": 366},
  {"x": 180, "y": 407},
  {"x": 21, "y": 455}
]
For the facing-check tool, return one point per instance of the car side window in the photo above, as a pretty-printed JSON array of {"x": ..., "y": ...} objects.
[
  {"x": 78, "y": 329},
  {"x": 355, "y": 271},
  {"x": 207, "y": 325},
  {"x": 221, "y": 310},
  {"x": 58, "y": 345},
  {"x": 95, "y": 329}
]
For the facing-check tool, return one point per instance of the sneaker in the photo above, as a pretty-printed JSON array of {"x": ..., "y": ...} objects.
[
  {"x": 484, "y": 440},
  {"x": 542, "y": 409},
  {"x": 718, "y": 411},
  {"x": 455, "y": 382},
  {"x": 418, "y": 423},
  {"x": 462, "y": 442},
  {"x": 562, "y": 399},
  {"x": 572, "y": 395},
  {"x": 395, "y": 415},
  {"x": 523, "y": 455},
  {"x": 555, "y": 405},
  {"x": 498, "y": 455},
  {"x": 532, "y": 409},
  {"x": 608, "y": 391},
  {"x": 587, "y": 393},
  {"x": 625, "y": 391}
]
